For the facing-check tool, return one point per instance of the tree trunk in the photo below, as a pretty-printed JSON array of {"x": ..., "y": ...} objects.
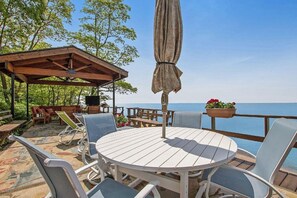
[
  {"x": 78, "y": 99},
  {"x": 5, "y": 89}
]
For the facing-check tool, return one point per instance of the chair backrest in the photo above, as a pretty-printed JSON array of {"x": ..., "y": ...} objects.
[
  {"x": 66, "y": 119},
  {"x": 187, "y": 119},
  {"x": 98, "y": 125},
  {"x": 59, "y": 176},
  {"x": 79, "y": 117},
  {"x": 275, "y": 148},
  {"x": 34, "y": 111}
]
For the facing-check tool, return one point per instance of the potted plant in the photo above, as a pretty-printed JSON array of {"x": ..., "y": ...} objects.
[
  {"x": 217, "y": 108},
  {"x": 122, "y": 121}
]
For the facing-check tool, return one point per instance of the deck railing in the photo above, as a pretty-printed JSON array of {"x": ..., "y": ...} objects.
[
  {"x": 133, "y": 112},
  {"x": 266, "y": 119}
]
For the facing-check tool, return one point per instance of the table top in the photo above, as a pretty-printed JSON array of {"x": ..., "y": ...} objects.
[{"x": 183, "y": 149}]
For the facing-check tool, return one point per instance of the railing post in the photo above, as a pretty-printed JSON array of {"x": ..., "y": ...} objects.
[
  {"x": 213, "y": 123},
  {"x": 266, "y": 125}
]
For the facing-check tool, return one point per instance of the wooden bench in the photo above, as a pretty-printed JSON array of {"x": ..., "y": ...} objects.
[
  {"x": 138, "y": 122},
  {"x": 7, "y": 128}
]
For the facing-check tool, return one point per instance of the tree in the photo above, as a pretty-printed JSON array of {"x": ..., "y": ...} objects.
[
  {"x": 11, "y": 11},
  {"x": 103, "y": 33},
  {"x": 26, "y": 25}
]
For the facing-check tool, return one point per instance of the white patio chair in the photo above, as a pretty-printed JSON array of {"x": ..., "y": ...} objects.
[
  {"x": 71, "y": 129},
  {"x": 188, "y": 120},
  {"x": 97, "y": 125},
  {"x": 63, "y": 182},
  {"x": 257, "y": 182}
]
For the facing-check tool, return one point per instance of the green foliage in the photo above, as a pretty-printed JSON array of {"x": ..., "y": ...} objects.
[
  {"x": 20, "y": 111},
  {"x": 103, "y": 33},
  {"x": 3, "y": 105}
]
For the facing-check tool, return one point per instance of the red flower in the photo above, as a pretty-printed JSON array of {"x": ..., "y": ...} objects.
[{"x": 212, "y": 101}]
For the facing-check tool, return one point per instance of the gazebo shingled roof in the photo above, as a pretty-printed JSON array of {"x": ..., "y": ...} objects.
[{"x": 65, "y": 63}]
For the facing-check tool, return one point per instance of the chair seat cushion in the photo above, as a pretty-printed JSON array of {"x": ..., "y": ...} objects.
[
  {"x": 238, "y": 181},
  {"x": 111, "y": 189}
]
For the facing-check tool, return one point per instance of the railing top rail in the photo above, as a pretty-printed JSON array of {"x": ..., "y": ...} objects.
[
  {"x": 263, "y": 116},
  {"x": 150, "y": 109}
]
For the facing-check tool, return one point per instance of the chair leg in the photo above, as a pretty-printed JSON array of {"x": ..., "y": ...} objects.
[{"x": 201, "y": 190}]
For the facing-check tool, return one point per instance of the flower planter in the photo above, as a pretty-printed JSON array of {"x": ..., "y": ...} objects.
[{"x": 221, "y": 113}]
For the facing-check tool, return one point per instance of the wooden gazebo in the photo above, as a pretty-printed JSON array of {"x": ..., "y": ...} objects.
[{"x": 70, "y": 65}]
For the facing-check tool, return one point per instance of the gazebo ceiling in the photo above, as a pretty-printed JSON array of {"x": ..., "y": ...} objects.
[{"x": 65, "y": 63}]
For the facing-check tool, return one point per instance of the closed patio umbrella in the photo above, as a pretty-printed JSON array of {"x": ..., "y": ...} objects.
[{"x": 167, "y": 49}]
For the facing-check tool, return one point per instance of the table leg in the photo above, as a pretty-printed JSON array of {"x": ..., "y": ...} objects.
[
  {"x": 184, "y": 184},
  {"x": 118, "y": 174}
]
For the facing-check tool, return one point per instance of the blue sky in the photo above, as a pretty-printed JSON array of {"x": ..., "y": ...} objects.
[{"x": 234, "y": 50}]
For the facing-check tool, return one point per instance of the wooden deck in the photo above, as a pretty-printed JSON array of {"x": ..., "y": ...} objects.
[{"x": 285, "y": 179}]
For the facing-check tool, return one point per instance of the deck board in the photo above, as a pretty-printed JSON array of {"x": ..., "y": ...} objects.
[
  {"x": 290, "y": 182},
  {"x": 245, "y": 165},
  {"x": 236, "y": 162},
  {"x": 280, "y": 177}
]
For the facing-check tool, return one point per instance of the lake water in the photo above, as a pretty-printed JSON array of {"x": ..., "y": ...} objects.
[{"x": 253, "y": 126}]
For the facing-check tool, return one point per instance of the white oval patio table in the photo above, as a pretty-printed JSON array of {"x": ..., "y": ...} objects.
[{"x": 141, "y": 152}]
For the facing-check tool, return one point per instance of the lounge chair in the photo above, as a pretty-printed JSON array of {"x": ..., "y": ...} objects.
[
  {"x": 187, "y": 119},
  {"x": 63, "y": 182},
  {"x": 257, "y": 182},
  {"x": 71, "y": 129}
]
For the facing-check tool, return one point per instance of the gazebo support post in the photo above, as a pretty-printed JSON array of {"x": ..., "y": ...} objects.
[
  {"x": 12, "y": 95},
  {"x": 27, "y": 101},
  {"x": 113, "y": 98}
]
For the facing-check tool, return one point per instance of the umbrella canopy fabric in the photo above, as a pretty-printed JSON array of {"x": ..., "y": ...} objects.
[{"x": 167, "y": 49}]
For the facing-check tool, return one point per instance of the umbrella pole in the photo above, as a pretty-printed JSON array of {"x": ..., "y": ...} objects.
[
  {"x": 164, "y": 102},
  {"x": 164, "y": 125}
]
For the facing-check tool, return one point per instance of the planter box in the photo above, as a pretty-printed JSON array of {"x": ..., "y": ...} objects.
[{"x": 221, "y": 113}]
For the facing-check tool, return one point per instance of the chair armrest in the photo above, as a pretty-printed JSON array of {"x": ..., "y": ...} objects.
[
  {"x": 256, "y": 177},
  {"x": 245, "y": 152},
  {"x": 150, "y": 187},
  {"x": 81, "y": 169}
]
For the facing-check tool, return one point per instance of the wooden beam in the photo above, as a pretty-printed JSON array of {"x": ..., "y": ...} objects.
[
  {"x": 22, "y": 77},
  {"x": 44, "y": 53},
  {"x": 57, "y": 64},
  {"x": 9, "y": 66},
  {"x": 60, "y": 73},
  {"x": 83, "y": 61},
  {"x": 70, "y": 62},
  {"x": 101, "y": 63},
  {"x": 83, "y": 67},
  {"x": 50, "y": 82},
  {"x": 41, "y": 60}
]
